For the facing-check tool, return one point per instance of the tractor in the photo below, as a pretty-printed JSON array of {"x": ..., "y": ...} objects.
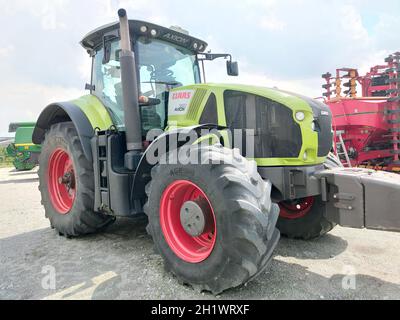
[
  {"x": 25, "y": 154},
  {"x": 152, "y": 137}
]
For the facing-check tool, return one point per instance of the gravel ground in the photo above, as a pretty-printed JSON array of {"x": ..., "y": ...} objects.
[{"x": 120, "y": 263}]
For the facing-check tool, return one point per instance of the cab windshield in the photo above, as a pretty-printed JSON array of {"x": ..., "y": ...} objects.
[{"x": 161, "y": 66}]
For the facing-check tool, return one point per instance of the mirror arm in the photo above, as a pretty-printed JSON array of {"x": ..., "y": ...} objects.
[{"x": 213, "y": 56}]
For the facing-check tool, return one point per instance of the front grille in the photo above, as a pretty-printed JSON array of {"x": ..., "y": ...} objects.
[
  {"x": 325, "y": 135},
  {"x": 277, "y": 135}
]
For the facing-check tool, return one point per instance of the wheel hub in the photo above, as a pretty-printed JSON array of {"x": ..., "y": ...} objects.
[
  {"x": 193, "y": 216},
  {"x": 187, "y": 221},
  {"x": 68, "y": 179},
  {"x": 61, "y": 181}
]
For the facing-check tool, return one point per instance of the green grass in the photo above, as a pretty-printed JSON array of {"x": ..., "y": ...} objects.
[{"x": 5, "y": 161}]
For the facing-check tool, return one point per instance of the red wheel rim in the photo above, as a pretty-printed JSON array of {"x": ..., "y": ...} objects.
[
  {"x": 61, "y": 181},
  {"x": 189, "y": 248},
  {"x": 297, "y": 208}
]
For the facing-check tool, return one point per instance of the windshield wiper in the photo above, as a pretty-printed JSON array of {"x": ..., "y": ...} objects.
[{"x": 170, "y": 83}]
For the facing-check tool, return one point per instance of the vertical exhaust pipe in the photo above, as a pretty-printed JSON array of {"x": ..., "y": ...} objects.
[{"x": 133, "y": 126}]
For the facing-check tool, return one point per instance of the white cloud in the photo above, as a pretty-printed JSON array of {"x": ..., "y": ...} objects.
[
  {"x": 85, "y": 68},
  {"x": 248, "y": 75},
  {"x": 47, "y": 11},
  {"x": 387, "y": 31},
  {"x": 216, "y": 73},
  {"x": 372, "y": 60},
  {"x": 25, "y": 101},
  {"x": 263, "y": 4},
  {"x": 351, "y": 24},
  {"x": 272, "y": 23},
  {"x": 6, "y": 51}
]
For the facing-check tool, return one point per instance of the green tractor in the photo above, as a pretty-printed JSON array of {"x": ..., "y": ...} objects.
[
  {"x": 24, "y": 152},
  {"x": 152, "y": 138}
]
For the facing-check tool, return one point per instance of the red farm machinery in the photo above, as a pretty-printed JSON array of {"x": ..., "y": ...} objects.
[{"x": 366, "y": 115}]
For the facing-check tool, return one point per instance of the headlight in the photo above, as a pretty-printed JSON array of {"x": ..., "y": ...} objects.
[
  {"x": 313, "y": 125},
  {"x": 300, "y": 116}
]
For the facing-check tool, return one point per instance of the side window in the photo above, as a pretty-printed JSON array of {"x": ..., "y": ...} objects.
[
  {"x": 235, "y": 109},
  {"x": 210, "y": 114},
  {"x": 107, "y": 82},
  {"x": 235, "y": 114}
]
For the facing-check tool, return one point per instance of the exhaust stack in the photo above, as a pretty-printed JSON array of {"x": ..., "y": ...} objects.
[{"x": 133, "y": 126}]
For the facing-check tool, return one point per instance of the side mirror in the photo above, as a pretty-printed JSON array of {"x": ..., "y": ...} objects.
[{"x": 232, "y": 68}]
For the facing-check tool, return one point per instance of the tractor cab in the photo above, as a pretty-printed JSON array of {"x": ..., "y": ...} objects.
[{"x": 166, "y": 58}]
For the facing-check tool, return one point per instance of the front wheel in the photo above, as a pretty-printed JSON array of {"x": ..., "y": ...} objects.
[
  {"x": 303, "y": 218},
  {"x": 66, "y": 183},
  {"x": 213, "y": 224}
]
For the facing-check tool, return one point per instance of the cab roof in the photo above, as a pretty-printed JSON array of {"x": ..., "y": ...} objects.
[{"x": 94, "y": 39}]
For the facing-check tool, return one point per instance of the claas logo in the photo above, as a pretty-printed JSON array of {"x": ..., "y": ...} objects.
[{"x": 181, "y": 95}]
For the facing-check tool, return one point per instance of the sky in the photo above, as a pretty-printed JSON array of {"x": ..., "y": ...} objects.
[{"x": 278, "y": 43}]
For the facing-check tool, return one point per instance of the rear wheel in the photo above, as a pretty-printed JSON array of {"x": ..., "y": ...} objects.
[
  {"x": 66, "y": 183},
  {"x": 304, "y": 218},
  {"x": 213, "y": 224}
]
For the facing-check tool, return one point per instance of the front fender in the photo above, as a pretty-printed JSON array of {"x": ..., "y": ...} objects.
[
  {"x": 62, "y": 112},
  {"x": 87, "y": 113}
]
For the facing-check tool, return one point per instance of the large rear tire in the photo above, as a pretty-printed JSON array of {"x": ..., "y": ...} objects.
[
  {"x": 239, "y": 234},
  {"x": 304, "y": 218},
  {"x": 66, "y": 183}
]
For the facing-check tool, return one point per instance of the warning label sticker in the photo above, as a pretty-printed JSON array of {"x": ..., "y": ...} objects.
[{"x": 179, "y": 102}]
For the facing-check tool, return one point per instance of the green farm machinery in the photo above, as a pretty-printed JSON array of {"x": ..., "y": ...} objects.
[
  {"x": 24, "y": 152},
  {"x": 220, "y": 170}
]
